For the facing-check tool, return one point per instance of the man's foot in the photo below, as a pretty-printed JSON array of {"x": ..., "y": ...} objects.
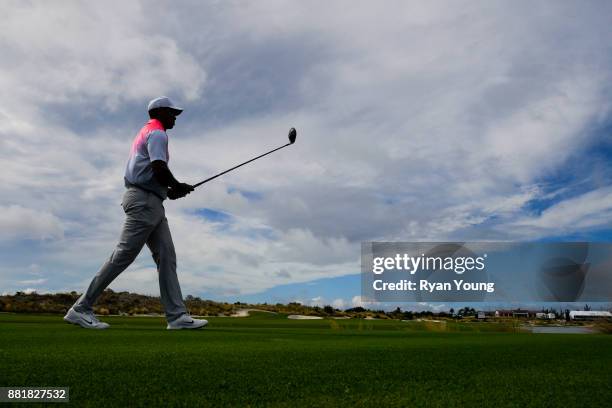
[
  {"x": 87, "y": 320},
  {"x": 186, "y": 322}
]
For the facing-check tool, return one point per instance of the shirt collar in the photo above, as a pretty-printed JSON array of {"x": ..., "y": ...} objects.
[{"x": 156, "y": 122}]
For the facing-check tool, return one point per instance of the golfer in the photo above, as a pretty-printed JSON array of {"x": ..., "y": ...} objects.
[{"x": 148, "y": 183}]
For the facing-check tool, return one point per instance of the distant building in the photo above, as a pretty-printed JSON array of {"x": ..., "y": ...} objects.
[
  {"x": 481, "y": 315},
  {"x": 503, "y": 313},
  {"x": 546, "y": 316},
  {"x": 515, "y": 313},
  {"x": 589, "y": 315}
]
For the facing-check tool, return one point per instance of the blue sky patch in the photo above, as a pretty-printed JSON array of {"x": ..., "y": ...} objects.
[
  {"x": 249, "y": 195},
  {"x": 213, "y": 215}
]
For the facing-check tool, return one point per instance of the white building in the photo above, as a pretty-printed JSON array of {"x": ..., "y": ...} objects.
[
  {"x": 542, "y": 315},
  {"x": 589, "y": 315}
]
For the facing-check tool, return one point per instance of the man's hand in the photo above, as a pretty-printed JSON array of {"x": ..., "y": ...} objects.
[
  {"x": 179, "y": 191},
  {"x": 173, "y": 195}
]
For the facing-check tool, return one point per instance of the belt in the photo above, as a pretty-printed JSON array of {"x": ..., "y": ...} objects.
[{"x": 144, "y": 189}]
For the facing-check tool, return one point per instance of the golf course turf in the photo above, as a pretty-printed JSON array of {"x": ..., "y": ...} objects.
[{"x": 269, "y": 360}]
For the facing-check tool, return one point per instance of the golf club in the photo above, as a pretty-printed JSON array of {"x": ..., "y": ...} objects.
[{"x": 292, "y": 137}]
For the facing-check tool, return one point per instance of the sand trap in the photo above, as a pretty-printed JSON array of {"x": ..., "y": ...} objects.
[
  {"x": 245, "y": 312},
  {"x": 302, "y": 317},
  {"x": 426, "y": 320}
]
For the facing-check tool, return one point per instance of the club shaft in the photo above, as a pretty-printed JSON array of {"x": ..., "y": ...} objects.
[{"x": 241, "y": 164}]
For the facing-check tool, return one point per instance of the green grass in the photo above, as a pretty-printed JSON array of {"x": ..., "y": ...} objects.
[{"x": 268, "y": 360}]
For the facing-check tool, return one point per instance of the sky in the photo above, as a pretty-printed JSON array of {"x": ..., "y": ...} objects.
[{"x": 417, "y": 121}]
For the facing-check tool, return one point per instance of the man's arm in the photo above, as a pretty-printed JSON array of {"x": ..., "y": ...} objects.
[{"x": 163, "y": 175}]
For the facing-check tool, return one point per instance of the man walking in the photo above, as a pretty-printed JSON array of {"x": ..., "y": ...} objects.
[{"x": 149, "y": 182}]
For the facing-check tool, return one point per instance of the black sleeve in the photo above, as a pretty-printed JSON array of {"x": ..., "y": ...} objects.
[{"x": 162, "y": 174}]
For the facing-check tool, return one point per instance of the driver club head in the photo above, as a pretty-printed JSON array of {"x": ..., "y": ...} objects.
[{"x": 292, "y": 135}]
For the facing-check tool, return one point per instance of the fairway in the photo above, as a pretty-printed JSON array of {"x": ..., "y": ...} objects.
[{"x": 269, "y": 360}]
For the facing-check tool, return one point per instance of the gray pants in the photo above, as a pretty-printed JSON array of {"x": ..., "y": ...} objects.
[{"x": 145, "y": 223}]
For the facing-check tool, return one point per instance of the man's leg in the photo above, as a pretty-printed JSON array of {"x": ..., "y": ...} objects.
[
  {"x": 161, "y": 246},
  {"x": 140, "y": 220}
]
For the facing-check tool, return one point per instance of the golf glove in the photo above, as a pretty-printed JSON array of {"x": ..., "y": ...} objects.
[
  {"x": 180, "y": 191},
  {"x": 173, "y": 194}
]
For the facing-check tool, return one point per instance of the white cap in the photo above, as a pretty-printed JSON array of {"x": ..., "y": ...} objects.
[{"x": 163, "y": 102}]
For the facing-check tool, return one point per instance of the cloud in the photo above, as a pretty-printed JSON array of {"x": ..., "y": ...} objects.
[
  {"x": 415, "y": 122},
  {"x": 316, "y": 301},
  {"x": 283, "y": 273},
  {"x": 434, "y": 307},
  {"x": 21, "y": 223},
  {"x": 589, "y": 210},
  {"x": 92, "y": 55},
  {"x": 359, "y": 301},
  {"x": 338, "y": 304},
  {"x": 32, "y": 282}
]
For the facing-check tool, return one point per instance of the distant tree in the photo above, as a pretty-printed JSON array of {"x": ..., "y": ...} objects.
[
  {"x": 587, "y": 308},
  {"x": 396, "y": 314},
  {"x": 451, "y": 311},
  {"x": 467, "y": 311},
  {"x": 329, "y": 310}
]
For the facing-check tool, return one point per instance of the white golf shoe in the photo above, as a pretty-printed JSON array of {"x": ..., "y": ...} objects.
[
  {"x": 186, "y": 322},
  {"x": 87, "y": 320}
]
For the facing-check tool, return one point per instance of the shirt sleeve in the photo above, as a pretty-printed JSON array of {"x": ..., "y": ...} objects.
[{"x": 157, "y": 146}]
